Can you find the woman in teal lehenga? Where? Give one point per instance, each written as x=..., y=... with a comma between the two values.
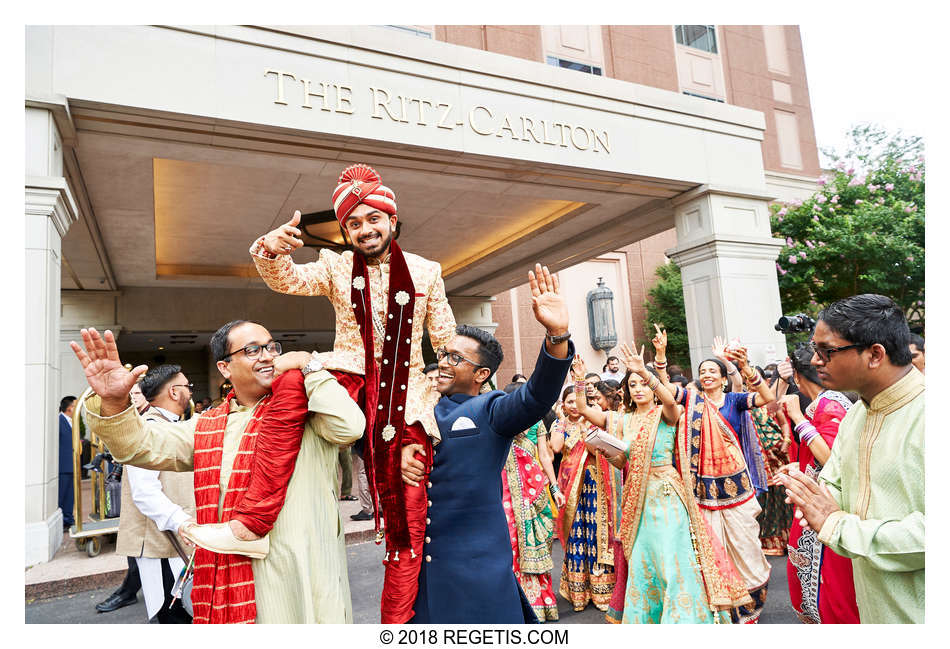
x=676, y=573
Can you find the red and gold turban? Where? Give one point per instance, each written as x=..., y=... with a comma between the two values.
x=360, y=183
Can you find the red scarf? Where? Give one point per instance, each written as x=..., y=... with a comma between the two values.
x=223, y=587
x=386, y=389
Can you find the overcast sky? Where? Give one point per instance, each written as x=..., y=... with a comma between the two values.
x=865, y=73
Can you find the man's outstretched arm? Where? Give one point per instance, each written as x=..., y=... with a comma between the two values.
x=164, y=446
x=512, y=413
x=271, y=255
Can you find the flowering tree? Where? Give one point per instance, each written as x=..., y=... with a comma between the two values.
x=862, y=232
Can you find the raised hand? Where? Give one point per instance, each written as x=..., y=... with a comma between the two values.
x=550, y=308
x=578, y=368
x=785, y=369
x=659, y=341
x=631, y=359
x=719, y=348
x=283, y=240
x=104, y=371
x=738, y=356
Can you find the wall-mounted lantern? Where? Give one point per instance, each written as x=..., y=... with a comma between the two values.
x=600, y=317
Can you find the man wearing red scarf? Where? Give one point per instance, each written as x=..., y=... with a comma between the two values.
x=384, y=301
x=297, y=574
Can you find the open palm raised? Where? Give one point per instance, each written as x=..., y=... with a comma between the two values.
x=550, y=308
x=104, y=371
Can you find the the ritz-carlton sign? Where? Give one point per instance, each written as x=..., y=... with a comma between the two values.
x=423, y=111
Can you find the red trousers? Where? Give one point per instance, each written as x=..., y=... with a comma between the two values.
x=275, y=456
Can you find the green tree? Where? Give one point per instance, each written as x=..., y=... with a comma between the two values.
x=861, y=232
x=665, y=307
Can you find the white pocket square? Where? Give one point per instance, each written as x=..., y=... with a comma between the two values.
x=463, y=423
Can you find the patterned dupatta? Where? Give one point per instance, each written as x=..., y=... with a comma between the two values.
x=529, y=506
x=223, y=587
x=725, y=588
x=609, y=482
x=386, y=388
x=640, y=458
x=716, y=458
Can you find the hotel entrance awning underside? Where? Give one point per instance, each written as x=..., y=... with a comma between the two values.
x=185, y=143
x=177, y=203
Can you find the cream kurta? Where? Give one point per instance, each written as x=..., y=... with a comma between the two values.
x=332, y=275
x=876, y=473
x=303, y=579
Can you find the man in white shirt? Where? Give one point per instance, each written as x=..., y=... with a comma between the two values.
x=612, y=370
x=158, y=502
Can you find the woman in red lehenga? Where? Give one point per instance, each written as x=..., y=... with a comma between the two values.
x=820, y=582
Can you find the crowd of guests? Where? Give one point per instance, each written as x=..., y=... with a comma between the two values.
x=672, y=521
x=674, y=524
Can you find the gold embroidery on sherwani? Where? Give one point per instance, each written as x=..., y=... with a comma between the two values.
x=331, y=276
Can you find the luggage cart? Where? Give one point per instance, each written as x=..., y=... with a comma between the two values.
x=88, y=533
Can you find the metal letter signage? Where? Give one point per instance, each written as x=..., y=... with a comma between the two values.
x=400, y=108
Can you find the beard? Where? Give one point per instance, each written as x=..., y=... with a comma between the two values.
x=377, y=249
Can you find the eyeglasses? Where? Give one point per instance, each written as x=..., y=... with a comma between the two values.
x=190, y=386
x=454, y=358
x=254, y=351
x=824, y=353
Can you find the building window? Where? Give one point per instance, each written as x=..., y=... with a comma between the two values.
x=702, y=37
x=413, y=30
x=573, y=65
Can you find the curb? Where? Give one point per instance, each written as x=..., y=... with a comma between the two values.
x=72, y=585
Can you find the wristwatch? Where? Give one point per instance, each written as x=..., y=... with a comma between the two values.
x=557, y=340
x=315, y=365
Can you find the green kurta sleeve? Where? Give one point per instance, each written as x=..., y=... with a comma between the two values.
x=158, y=445
x=337, y=418
x=888, y=545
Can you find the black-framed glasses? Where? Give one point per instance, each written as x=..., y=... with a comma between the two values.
x=824, y=353
x=454, y=358
x=253, y=351
x=190, y=386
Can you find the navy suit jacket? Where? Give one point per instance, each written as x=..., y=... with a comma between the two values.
x=466, y=575
x=65, y=445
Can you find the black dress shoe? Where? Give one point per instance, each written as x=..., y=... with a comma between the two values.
x=115, y=601
x=361, y=516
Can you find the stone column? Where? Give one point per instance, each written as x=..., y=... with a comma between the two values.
x=49, y=210
x=727, y=255
x=473, y=310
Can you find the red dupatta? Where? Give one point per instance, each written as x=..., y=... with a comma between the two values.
x=223, y=587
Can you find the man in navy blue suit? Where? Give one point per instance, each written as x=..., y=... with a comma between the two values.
x=467, y=575
x=66, y=490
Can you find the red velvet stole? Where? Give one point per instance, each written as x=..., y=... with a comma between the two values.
x=223, y=587
x=386, y=389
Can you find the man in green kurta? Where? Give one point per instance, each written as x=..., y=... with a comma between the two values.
x=303, y=578
x=869, y=505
